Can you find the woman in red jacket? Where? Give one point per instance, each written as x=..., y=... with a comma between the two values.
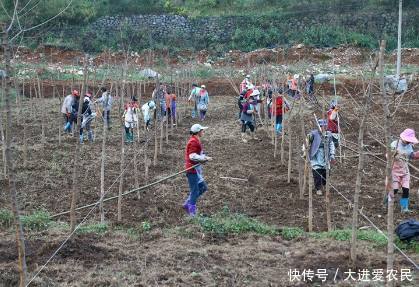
x=194, y=154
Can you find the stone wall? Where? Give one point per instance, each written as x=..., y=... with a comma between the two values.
x=178, y=29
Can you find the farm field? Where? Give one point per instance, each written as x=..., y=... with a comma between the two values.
x=252, y=224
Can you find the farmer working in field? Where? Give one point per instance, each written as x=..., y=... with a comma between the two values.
x=280, y=105
x=194, y=154
x=248, y=118
x=130, y=119
x=193, y=98
x=87, y=117
x=333, y=122
x=203, y=101
x=147, y=109
x=66, y=109
x=106, y=101
x=246, y=84
x=158, y=96
x=403, y=152
x=316, y=141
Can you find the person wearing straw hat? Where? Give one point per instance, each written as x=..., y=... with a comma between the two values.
x=203, y=101
x=403, y=152
x=316, y=148
x=333, y=122
x=194, y=154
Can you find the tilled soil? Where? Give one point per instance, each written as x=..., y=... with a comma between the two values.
x=169, y=258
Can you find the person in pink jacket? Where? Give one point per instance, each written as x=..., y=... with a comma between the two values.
x=403, y=152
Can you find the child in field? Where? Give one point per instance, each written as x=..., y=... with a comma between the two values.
x=403, y=152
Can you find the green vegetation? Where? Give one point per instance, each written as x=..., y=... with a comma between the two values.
x=266, y=27
x=39, y=220
x=224, y=223
x=96, y=228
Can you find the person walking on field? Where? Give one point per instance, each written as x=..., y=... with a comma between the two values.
x=131, y=119
x=403, y=152
x=248, y=118
x=87, y=117
x=193, y=98
x=333, y=122
x=147, y=109
x=316, y=141
x=106, y=101
x=66, y=109
x=276, y=111
x=203, y=101
x=194, y=154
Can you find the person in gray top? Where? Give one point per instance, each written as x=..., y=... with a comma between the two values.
x=106, y=101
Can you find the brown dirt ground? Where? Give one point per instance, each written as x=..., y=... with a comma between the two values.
x=189, y=258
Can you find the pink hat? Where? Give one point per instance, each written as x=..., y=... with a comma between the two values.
x=408, y=135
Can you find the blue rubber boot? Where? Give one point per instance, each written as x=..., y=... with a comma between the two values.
x=90, y=136
x=81, y=138
x=67, y=127
x=404, y=204
x=278, y=128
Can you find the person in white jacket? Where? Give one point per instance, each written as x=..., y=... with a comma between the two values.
x=147, y=109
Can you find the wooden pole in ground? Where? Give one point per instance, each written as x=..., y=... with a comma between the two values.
x=284, y=120
x=273, y=117
x=77, y=152
x=328, y=179
x=362, y=127
x=43, y=112
x=388, y=190
x=102, y=166
x=289, y=149
x=121, y=179
x=11, y=182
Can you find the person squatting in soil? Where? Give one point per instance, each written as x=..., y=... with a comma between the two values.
x=316, y=141
x=277, y=111
x=333, y=122
x=194, y=154
x=203, y=101
x=403, y=152
x=193, y=99
x=248, y=118
x=130, y=119
x=87, y=117
x=66, y=109
x=106, y=100
x=147, y=109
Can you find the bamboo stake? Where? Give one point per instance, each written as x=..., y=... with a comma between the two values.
x=284, y=120
x=361, y=151
x=289, y=149
x=11, y=182
x=328, y=179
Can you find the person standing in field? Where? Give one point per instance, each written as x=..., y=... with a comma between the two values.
x=316, y=141
x=193, y=98
x=276, y=110
x=203, y=101
x=403, y=152
x=67, y=108
x=106, y=101
x=87, y=117
x=130, y=119
x=194, y=154
x=248, y=118
x=173, y=107
x=333, y=122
